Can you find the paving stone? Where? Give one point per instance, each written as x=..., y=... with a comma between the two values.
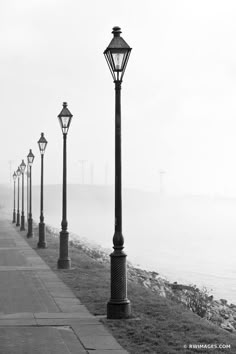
x=39, y=340
x=65, y=321
x=87, y=329
x=70, y=305
x=17, y=322
x=99, y=342
x=60, y=292
x=47, y=315
x=21, y=315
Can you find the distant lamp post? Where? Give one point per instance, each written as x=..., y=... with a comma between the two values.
x=117, y=55
x=30, y=159
x=27, y=189
x=64, y=261
x=22, y=169
x=14, y=198
x=18, y=173
x=42, y=242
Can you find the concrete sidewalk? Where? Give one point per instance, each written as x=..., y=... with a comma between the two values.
x=39, y=314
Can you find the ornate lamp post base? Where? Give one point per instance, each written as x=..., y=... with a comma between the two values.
x=14, y=217
x=42, y=243
x=118, y=310
x=30, y=228
x=119, y=306
x=22, y=226
x=64, y=261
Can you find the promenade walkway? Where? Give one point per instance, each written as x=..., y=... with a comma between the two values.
x=39, y=314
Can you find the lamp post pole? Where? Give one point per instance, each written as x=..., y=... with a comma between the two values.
x=117, y=55
x=27, y=191
x=64, y=261
x=14, y=205
x=18, y=197
x=30, y=158
x=42, y=242
x=22, y=167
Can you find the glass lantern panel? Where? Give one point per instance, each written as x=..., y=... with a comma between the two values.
x=118, y=59
x=22, y=168
x=65, y=121
x=42, y=146
x=30, y=159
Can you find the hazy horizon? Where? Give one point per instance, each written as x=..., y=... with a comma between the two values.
x=178, y=111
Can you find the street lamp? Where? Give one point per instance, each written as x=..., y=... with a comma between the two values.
x=18, y=173
x=30, y=158
x=42, y=146
x=22, y=169
x=64, y=261
x=14, y=207
x=117, y=55
x=27, y=189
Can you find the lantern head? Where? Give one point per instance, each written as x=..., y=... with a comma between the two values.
x=22, y=166
x=42, y=144
x=65, y=118
x=117, y=55
x=30, y=158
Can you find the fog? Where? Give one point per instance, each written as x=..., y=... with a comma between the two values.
x=187, y=239
x=178, y=106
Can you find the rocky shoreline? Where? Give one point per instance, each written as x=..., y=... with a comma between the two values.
x=197, y=300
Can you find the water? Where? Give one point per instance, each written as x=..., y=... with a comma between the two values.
x=187, y=239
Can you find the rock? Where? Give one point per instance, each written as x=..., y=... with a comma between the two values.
x=215, y=318
x=223, y=301
x=223, y=314
x=176, y=286
x=154, y=274
x=228, y=327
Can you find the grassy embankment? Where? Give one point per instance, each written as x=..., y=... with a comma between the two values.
x=158, y=325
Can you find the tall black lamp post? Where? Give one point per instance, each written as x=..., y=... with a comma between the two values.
x=14, y=198
x=30, y=158
x=117, y=55
x=22, y=169
x=18, y=173
x=64, y=261
x=42, y=242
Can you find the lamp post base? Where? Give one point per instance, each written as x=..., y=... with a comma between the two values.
x=14, y=217
x=18, y=219
x=119, y=306
x=22, y=225
x=64, y=261
x=30, y=228
x=118, y=310
x=42, y=243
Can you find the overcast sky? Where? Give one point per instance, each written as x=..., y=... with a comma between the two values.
x=178, y=92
